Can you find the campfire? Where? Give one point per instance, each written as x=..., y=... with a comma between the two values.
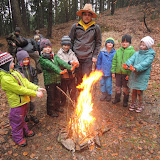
x=82, y=130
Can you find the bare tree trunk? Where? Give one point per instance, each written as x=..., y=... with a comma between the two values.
x=56, y=12
x=108, y=4
x=81, y=4
x=17, y=16
x=112, y=7
x=49, y=30
x=96, y=3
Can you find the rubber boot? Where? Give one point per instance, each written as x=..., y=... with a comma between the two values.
x=125, y=100
x=103, y=96
x=117, y=98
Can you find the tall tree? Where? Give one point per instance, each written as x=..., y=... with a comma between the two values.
x=49, y=30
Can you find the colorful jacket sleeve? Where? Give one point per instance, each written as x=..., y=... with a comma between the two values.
x=114, y=63
x=131, y=60
x=99, y=61
x=49, y=65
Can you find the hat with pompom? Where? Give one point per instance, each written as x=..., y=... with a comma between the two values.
x=5, y=60
x=148, y=41
x=44, y=43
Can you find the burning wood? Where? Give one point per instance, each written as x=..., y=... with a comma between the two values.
x=82, y=131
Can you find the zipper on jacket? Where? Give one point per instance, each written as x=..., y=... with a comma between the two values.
x=20, y=98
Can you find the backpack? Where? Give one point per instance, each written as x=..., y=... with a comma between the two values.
x=21, y=41
x=30, y=47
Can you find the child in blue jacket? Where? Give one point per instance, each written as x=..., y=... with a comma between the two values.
x=140, y=64
x=104, y=63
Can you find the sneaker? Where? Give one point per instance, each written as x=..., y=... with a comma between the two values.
x=23, y=143
x=30, y=134
x=34, y=119
x=139, y=108
x=132, y=107
x=103, y=96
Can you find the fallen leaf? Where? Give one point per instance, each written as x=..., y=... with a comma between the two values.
x=32, y=155
x=114, y=154
x=39, y=134
x=25, y=153
x=9, y=152
x=15, y=154
x=48, y=148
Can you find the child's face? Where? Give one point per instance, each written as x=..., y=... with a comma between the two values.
x=25, y=61
x=47, y=49
x=66, y=47
x=109, y=45
x=143, y=46
x=12, y=65
x=125, y=44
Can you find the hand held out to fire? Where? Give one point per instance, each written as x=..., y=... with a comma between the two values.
x=40, y=93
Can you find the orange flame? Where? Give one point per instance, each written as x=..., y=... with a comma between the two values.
x=82, y=118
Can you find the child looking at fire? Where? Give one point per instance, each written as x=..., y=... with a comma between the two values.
x=18, y=90
x=118, y=72
x=30, y=73
x=104, y=63
x=68, y=79
x=140, y=65
x=51, y=64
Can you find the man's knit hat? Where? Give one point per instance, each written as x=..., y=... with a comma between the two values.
x=17, y=29
x=21, y=55
x=126, y=38
x=110, y=40
x=66, y=40
x=5, y=60
x=44, y=43
x=148, y=41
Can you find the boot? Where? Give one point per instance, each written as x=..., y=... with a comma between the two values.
x=117, y=98
x=108, y=99
x=125, y=100
x=51, y=111
x=103, y=96
x=34, y=119
x=53, y=114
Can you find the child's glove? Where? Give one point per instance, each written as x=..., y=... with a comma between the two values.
x=113, y=76
x=131, y=68
x=74, y=63
x=125, y=66
x=126, y=78
x=64, y=71
x=39, y=94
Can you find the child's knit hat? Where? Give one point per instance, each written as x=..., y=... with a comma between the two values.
x=44, y=43
x=66, y=40
x=126, y=38
x=148, y=41
x=110, y=40
x=5, y=60
x=17, y=29
x=21, y=55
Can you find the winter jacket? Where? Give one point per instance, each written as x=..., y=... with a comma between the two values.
x=142, y=61
x=51, y=69
x=18, y=89
x=31, y=46
x=120, y=57
x=86, y=44
x=104, y=61
x=29, y=72
x=67, y=57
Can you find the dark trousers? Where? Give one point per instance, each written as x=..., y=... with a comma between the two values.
x=71, y=86
x=53, y=97
x=85, y=67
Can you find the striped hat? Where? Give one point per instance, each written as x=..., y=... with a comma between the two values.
x=5, y=58
x=66, y=40
x=44, y=43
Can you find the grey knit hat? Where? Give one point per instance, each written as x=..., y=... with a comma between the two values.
x=17, y=29
x=66, y=40
x=21, y=55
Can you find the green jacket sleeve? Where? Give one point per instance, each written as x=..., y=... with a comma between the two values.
x=10, y=84
x=114, y=63
x=49, y=65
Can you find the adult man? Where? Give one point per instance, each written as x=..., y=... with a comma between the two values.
x=86, y=41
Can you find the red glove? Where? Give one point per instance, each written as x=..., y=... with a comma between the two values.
x=125, y=66
x=64, y=71
x=131, y=68
x=75, y=63
x=73, y=68
x=126, y=78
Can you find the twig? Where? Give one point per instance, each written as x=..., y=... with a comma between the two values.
x=66, y=96
x=146, y=23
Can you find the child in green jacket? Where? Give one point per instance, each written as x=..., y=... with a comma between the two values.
x=118, y=72
x=51, y=64
x=18, y=90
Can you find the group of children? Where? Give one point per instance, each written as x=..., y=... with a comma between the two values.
x=130, y=69
x=20, y=83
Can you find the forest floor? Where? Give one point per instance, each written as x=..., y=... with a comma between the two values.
x=131, y=136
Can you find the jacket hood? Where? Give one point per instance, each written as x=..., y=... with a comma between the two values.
x=105, y=50
x=149, y=51
x=129, y=48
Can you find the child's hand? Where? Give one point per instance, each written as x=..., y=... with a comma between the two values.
x=39, y=94
x=41, y=89
x=64, y=71
x=126, y=78
x=125, y=66
x=113, y=76
x=131, y=68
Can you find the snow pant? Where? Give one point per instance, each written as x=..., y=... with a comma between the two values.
x=68, y=83
x=85, y=67
x=106, y=85
x=19, y=126
x=35, y=57
x=53, y=97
